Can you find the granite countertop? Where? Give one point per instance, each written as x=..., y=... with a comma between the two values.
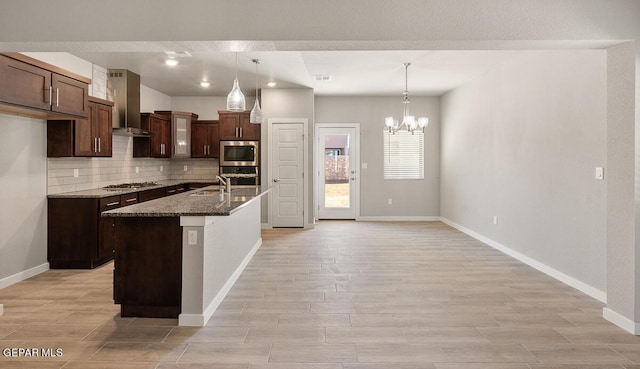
x=103, y=192
x=205, y=201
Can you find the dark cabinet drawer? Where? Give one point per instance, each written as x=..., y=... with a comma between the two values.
x=129, y=199
x=148, y=195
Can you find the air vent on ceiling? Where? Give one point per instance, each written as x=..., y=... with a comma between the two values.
x=322, y=77
x=177, y=54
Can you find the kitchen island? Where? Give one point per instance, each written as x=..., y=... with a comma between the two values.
x=178, y=256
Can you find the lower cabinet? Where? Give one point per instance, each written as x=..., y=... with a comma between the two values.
x=79, y=238
x=155, y=290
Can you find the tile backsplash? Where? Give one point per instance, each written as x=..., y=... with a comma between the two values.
x=122, y=167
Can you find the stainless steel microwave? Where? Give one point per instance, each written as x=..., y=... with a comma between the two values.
x=239, y=153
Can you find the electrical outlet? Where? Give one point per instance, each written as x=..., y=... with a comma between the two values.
x=192, y=237
x=161, y=168
x=390, y=201
x=137, y=169
x=495, y=219
x=76, y=173
x=364, y=165
x=185, y=168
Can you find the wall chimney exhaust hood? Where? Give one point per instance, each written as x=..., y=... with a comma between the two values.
x=123, y=88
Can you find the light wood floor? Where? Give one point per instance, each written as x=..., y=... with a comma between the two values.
x=344, y=295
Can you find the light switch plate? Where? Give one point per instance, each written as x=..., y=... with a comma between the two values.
x=599, y=173
x=364, y=165
x=161, y=168
x=76, y=173
x=185, y=168
x=137, y=169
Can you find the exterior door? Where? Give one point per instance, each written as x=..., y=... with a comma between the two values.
x=337, y=163
x=287, y=151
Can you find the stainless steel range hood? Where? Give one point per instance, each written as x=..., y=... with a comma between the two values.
x=123, y=88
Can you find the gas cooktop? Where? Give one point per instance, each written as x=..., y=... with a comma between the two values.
x=130, y=185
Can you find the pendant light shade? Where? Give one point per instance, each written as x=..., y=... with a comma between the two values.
x=235, y=99
x=256, y=114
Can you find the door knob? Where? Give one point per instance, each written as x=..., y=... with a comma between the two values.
x=353, y=178
x=276, y=180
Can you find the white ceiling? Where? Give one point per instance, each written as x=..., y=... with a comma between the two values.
x=431, y=73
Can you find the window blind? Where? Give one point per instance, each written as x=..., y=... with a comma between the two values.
x=403, y=155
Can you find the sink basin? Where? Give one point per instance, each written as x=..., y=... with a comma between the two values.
x=208, y=192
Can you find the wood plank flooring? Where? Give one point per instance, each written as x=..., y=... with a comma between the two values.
x=344, y=295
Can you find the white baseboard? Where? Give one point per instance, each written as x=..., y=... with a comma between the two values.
x=579, y=285
x=622, y=322
x=26, y=274
x=398, y=219
x=200, y=320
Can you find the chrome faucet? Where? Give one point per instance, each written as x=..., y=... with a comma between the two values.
x=224, y=181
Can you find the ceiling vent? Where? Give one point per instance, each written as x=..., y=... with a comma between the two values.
x=322, y=77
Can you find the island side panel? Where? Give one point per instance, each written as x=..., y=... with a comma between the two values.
x=224, y=247
x=148, y=266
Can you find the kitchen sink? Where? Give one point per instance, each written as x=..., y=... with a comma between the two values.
x=208, y=192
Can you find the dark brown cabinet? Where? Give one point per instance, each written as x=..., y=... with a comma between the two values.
x=43, y=90
x=154, y=291
x=237, y=126
x=180, y=132
x=83, y=137
x=159, y=144
x=77, y=237
x=205, y=139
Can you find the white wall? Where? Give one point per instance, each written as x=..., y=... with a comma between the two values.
x=151, y=100
x=522, y=143
x=23, y=214
x=411, y=198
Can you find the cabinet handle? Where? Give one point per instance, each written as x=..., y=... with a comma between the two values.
x=113, y=203
x=57, y=97
x=132, y=199
x=50, y=95
x=95, y=144
x=204, y=149
x=161, y=149
x=99, y=145
x=240, y=131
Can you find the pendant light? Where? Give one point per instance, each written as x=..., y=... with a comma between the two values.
x=256, y=114
x=235, y=99
x=408, y=120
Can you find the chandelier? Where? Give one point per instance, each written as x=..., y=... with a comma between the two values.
x=408, y=121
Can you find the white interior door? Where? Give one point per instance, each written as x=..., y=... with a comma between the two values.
x=287, y=153
x=337, y=163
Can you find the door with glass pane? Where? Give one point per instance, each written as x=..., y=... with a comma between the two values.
x=337, y=163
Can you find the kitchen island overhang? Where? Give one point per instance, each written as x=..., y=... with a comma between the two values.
x=180, y=256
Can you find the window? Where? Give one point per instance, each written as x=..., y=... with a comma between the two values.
x=403, y=155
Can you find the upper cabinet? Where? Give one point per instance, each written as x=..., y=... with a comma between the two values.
x=159, y=144
x=180, y=132
x=236, y=126
x=205, y=139
x=31, y=87
x=83, y=137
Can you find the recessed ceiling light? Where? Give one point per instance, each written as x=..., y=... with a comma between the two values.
x=271, y=84
x=205, y=84
x=171, y=62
